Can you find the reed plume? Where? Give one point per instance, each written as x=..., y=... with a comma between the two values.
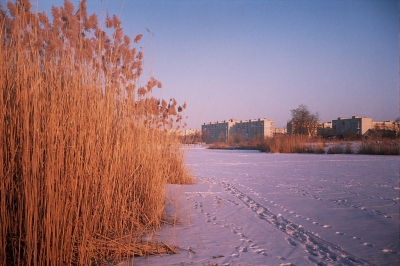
x=85, y=155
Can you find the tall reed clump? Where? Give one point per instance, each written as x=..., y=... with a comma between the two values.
x=293, y=144
x=85, y=154
x=382, y=147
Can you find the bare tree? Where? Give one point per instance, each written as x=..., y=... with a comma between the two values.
x=303, y=122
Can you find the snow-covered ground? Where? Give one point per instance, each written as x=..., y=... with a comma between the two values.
x=252, y=208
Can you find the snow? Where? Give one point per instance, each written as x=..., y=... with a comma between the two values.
x=252, y=208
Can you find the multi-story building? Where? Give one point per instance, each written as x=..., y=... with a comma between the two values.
x=248, y=129
x=355, y=124
x=254, y=127
x=280, y=130
x=217, y=131
x=385, y=125
x=324, y=128
x=386, y=128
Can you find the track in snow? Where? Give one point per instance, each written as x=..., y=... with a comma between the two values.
x=320, y=251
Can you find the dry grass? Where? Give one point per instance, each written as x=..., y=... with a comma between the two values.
x=336, y=149
x=304, y=144
x=288, y=143
x=219, y=145
x=380, y=147
x=85, y=156
x=277, y=144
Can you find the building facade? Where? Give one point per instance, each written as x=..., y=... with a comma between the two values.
x=386, y=128
x=224, y=130
x=356, y=124
x=280, y=131
x=386, y=125
x=324, y=129
x=217, y=131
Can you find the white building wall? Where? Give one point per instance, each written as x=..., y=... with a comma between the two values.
x=248, y=128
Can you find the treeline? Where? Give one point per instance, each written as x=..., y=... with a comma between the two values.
x=85, y=154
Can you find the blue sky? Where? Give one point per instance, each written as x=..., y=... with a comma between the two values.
x=251, y=59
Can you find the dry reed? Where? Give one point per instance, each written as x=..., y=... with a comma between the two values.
x=380, y=147
x=276, y=144
x=85, y=154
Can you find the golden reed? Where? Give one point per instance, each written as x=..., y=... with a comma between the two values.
x=85, y=152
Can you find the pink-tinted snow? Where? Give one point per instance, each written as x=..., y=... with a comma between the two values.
x=252, y=208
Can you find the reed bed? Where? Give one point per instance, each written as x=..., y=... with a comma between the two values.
x=304, y=144
x=276, y=144
x=292, y=144
x=85, y=150
x=341, y=147
x=380, y=147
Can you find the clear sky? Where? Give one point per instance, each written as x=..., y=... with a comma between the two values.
x=252, y=59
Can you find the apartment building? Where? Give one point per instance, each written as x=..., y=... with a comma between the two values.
x=386, y=128
x=386, y=125
x=248, y=129
x=217, y=131
x=280, y=131
x=324, y=128
x=355, y=124
x=253, y=127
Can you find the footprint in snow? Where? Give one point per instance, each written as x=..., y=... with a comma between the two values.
x=327, y=226
x=339, y=233
x=368, y=244
x=291, y=241
x=243, y=249
x=261, y=251
x=316, y=261
x=389, y=251
x=241, y=234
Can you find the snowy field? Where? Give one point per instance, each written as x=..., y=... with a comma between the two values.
x=252, y=208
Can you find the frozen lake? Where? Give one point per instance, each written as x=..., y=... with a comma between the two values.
x=252, y=208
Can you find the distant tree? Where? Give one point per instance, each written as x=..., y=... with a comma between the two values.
x=303, y=122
